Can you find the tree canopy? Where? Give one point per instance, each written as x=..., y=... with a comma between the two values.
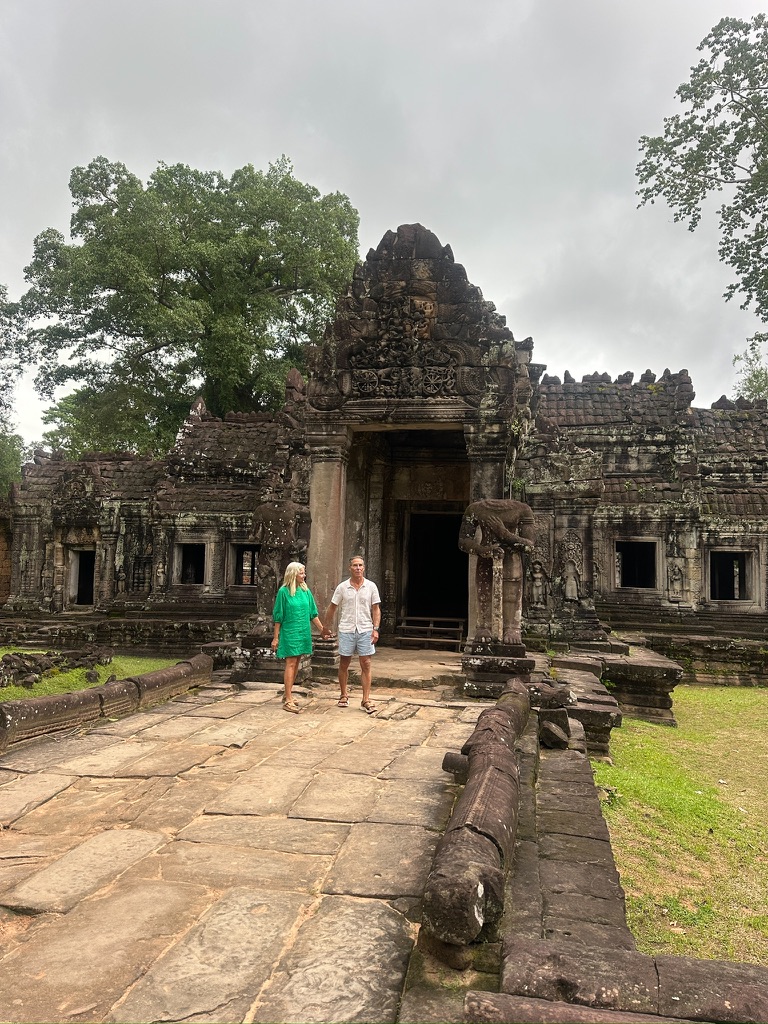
x=719, y=147
x=194, y=283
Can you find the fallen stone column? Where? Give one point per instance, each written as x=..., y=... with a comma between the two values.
x=465, y=889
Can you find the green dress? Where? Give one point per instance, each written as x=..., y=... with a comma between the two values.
x=294, y=615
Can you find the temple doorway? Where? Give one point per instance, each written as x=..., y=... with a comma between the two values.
x=82, y=570
x=436, y=568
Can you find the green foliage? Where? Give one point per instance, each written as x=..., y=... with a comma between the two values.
x=194, y=283
x=752, y=377
x=719, y=147
x=66, y=682
x=11, y=451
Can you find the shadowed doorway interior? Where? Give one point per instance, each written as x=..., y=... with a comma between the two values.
x=437, y=569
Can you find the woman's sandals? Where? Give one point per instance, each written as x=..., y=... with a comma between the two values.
x=343, y=701
x=369, y=707
x=292, y=706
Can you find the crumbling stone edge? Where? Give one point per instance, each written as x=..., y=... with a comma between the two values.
x=36, y=716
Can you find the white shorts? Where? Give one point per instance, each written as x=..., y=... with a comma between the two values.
x=356, y=643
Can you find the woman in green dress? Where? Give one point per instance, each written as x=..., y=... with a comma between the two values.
x=294, y=614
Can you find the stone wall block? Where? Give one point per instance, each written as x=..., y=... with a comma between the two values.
x=22, y=719
x=155, y=687
x=118, y=698
x=712, y=990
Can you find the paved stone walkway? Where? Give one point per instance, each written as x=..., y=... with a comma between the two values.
x=217, y=859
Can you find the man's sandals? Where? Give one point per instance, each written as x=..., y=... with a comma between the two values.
x=369, y=707
x=292, y=706
x=343, y=701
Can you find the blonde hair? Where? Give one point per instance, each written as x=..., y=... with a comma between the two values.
x=292, y=575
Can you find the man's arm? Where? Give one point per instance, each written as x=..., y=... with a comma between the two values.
x=330, y=613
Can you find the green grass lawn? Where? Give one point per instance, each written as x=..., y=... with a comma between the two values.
x=64, y=682
x=687, y=810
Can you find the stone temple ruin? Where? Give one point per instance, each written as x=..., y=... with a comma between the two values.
x=421, y=425
x=648, y=511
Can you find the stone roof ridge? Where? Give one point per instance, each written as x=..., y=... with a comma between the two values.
x=410, y=242
x=726, y=403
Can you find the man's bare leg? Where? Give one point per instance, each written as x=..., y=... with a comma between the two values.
x=344, y=661
x=365, y=676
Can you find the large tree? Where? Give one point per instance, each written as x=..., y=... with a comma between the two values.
x=192, y=283
x=719, y=147
x=11, y=443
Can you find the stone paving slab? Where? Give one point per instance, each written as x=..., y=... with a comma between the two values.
x=170, y=759
x=234, y=761
x=290, y=835
x=449, y=736
x=226, y=867
x=384, y=861
x=29, y=791
x=337, y=796
x=206, y=976
x=47, y=752
x=110, y=761
x=22, y=855
x=81, y=871
x=178, y=728
x=348, y=963
x=411, y=802
x=181, y=803
x=231, y=732
x=218, y=709
x=308, y=754
x=418, y=763
x=262, y=791
x=93, y=803
x=80, y=964
x=369, y=755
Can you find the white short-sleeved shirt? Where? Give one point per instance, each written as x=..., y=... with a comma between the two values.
x=355, y=605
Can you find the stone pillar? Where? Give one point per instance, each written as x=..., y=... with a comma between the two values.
x=327, y=500
x=487, y=447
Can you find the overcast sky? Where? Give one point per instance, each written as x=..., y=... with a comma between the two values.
x=508, y=127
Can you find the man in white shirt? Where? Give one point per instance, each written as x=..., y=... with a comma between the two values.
x=359, y=619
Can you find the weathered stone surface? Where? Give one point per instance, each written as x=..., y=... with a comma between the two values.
x=170, y=759
x=262, y=791
x=308, y=753
x=79, y=965
x=206, y=976
x=491, y=1008
x=177, y=728
x=385, y=861
x=576, y=906
x=587, y=879
x=410, y=802
x=286, y=834
x=93, y=803
x=27, y=792
x=226, y=867
x=573, y=823
x=348, y=963
x=49, y=752
x=365, y=756
x=337, y=796
x=82, y=870
x=588, y=933
x=21, y=855
x=112, y=760
x=425, y=1005
x=713, y=990
x=577, y=849
x=180, y=803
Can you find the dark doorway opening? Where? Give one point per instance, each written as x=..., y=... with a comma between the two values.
x=728, y=576
x=193, y=563
x=636, y=564
x=86, y=568
x=437, y=569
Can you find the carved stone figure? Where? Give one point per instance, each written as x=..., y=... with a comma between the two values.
x=498, y=531
x=281, y=529
x=570, y=581
x=538, y=585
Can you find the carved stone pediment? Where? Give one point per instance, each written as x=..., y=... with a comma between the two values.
x=411, y=329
